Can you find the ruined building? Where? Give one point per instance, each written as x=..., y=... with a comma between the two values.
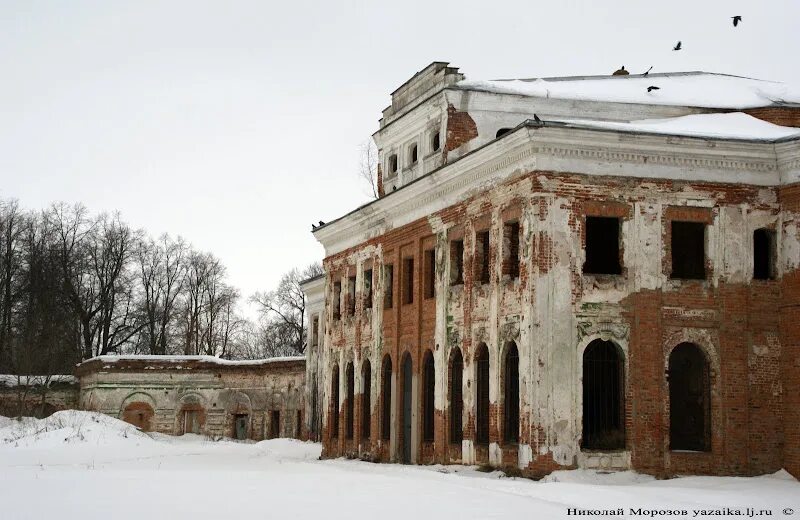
x=258, y=399
x=568, y=272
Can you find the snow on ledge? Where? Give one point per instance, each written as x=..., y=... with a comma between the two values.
x=691, y=89
x=733, y=125
x=10, y=380
x=189, y=359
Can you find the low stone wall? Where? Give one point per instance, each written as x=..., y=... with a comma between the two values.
x=37, y=396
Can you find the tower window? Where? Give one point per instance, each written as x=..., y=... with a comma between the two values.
x=393, y=164
x=412, y=154
x=602, y=246
x=688, y=250
x=764, y=254
x=436, y=142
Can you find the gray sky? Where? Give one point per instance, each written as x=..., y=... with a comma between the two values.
x=237, y=124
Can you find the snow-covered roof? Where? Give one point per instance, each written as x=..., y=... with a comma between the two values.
x=10, y=380
x=732, y=125
x=189, y=359
x=691, y=89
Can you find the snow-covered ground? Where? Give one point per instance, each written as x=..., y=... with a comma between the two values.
x=84, y=465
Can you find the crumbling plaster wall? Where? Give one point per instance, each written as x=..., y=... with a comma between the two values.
x=553, y=311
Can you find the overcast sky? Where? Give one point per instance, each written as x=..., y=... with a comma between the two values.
x=237, y=124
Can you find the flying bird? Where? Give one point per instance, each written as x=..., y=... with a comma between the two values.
x=647, y=71
x=736, y=20
x=677, y=46
x=536, y=118
x=652, y=88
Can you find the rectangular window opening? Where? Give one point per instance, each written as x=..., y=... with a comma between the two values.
x=430, y=273
x=368, y=288
x=602, y=246
x=688, y=250
x=511, y=249
x=482, y=257
x=456, y=262
x=408, y=281
x=351, y=296
x=388, y=286
x=315, y=331
x=764, y=254
x=337, y=300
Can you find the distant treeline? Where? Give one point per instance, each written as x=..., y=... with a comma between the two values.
x=75, y=285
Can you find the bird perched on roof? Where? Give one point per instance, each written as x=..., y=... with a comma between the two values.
x=621, y=72
x=647, y=71
x=736, y=20
x=313, y=227
x=677, y=46
x=652, y=88
x=536, y=118
x=321, y=223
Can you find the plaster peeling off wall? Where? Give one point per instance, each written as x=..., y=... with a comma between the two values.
x=553, y=335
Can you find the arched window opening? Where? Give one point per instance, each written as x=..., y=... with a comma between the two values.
x=392, y=164
x=366, y=404
x=689, y=399
x=482, y=395
x=511, y=395
x=412, y=154
x=502, y=132
x=428, y=399
x=348, y=405
x=603, y=397
x=386, y=393
x=436, y=142
x=456, y=397
x=335, y=402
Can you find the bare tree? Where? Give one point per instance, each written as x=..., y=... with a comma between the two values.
x=368, y=166
x=283, y=310
x=11, y=225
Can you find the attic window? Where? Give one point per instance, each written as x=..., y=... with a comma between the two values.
x=502, y=132
x=412, y=154
x=393, y=163
x=764, y=254
x=602, y=246
x=436, y=142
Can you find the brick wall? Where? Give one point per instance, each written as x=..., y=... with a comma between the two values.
x=783, y=116
x=749, y=345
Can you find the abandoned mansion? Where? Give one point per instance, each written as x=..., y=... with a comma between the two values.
x=568, y=272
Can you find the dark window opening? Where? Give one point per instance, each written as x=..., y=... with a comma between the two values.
x=315, y=331
x=349, y=402
x=456, y=399
x=298, y=427
x=436, y=142
x=335, y=403
x=602, y=246
x=413, y=155
x=388, y=286
x=482, y=256
x=502, y=132
x=386, y=396
x=482, y=395
x=429, y=376
x=408, y=281
x=429, y=268
x=456, y=262
x=511, y=395
x=688, y=250
x=603, y=397
x=351, y=296
x=366, y=404
x=511, y=249
x=764, y=249
x=274, y=424
x=393, y=164
x=337, y=300
x=368, y=288
x=689, y=399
